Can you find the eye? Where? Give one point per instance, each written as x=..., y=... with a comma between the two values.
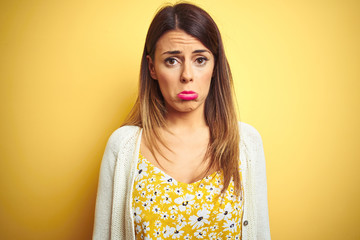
x=171, y=61
x=201, y=60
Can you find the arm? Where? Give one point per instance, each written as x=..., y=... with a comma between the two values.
x=257, y=187
x=263, y=228
x=103, y=210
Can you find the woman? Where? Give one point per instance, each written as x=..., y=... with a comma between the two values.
x=182, y=167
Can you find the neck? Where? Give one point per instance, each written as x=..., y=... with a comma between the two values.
x=186, y=121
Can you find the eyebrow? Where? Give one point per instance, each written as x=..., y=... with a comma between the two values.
x=178, y=52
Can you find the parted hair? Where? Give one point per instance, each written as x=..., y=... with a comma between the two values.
x=149, y=111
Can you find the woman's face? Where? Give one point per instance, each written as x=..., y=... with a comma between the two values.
x=183, y=67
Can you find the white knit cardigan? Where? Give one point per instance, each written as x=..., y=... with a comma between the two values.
x=113, y=214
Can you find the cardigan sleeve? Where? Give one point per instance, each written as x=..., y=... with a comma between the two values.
x=256, y=192
x=103, y=209
x=261, y=202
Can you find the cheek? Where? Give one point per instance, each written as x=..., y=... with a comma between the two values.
x=167, y=81
x=168, y=74
x=205, y=78
x=209, y=76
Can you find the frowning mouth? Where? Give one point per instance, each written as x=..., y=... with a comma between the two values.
x=187, y=95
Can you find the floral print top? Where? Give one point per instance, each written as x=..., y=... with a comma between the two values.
x=164, y=208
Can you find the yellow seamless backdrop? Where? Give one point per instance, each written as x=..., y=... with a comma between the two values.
x=68, y=77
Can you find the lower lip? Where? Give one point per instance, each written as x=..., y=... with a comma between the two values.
x=188, y=96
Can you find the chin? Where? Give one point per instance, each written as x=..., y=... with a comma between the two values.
x=188, y=108
x=184, y=106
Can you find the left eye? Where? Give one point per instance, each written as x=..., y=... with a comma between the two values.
x=201, y=60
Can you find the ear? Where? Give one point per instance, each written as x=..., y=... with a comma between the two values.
x=151, y=67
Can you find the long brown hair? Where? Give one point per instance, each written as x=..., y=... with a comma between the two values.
x=149, y=111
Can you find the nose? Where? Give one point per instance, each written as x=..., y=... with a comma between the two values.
x=187, y=74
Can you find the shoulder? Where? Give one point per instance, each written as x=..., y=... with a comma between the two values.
x=122, y=135
x=250, y=140
x=249, y=135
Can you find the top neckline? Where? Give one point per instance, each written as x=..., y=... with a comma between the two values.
x=210, y=176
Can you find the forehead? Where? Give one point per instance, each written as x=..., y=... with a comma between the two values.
x=178, y=40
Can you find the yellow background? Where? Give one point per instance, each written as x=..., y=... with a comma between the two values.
x=68, y=77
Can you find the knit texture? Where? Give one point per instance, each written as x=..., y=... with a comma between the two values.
x=113, y=215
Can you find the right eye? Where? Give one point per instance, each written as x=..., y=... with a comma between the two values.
x=171, y=61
